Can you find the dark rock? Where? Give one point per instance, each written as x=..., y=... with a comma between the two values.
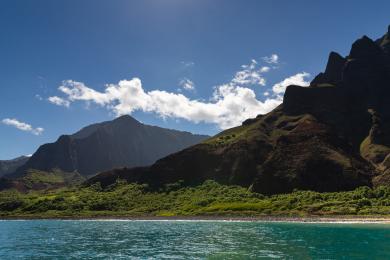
x=333, y=72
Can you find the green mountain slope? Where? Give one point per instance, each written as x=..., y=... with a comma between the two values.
x=35, y=180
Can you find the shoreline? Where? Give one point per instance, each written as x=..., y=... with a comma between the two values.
x=271, y=219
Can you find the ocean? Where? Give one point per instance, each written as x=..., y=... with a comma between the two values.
x=129, y=239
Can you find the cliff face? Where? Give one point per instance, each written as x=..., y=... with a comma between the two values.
x=123, y=142
x=331, y=136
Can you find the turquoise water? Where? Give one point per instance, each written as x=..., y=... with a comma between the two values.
x=59, y=239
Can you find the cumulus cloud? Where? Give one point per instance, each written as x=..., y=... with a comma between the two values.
x=230, y=104
x=187, y=84
x=22, y=126
x=250, y=75
x=297, y=79
x=273, y=59
x=59, y=101
x=264, y=69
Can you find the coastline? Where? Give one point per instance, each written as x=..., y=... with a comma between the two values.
x=271, y=219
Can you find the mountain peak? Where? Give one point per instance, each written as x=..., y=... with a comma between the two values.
x=127, y=118
x=334, y=66
x=88, y=130
x=122, y=142
x=333, y=71
x=364, y=48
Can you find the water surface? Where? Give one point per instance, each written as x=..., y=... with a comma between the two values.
x=61, y=239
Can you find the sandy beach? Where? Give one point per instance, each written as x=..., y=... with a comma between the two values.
x=309, y=219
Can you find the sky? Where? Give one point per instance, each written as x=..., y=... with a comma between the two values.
x=193, y=65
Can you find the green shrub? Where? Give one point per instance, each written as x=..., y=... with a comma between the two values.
x=210, y=198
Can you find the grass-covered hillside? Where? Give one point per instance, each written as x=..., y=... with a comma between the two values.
x=41, y=180
x=208, y=199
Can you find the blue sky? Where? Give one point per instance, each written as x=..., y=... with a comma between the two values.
x=193, y=65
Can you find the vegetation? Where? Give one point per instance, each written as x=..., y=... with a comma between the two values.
x=208, y=199
x=41, y=180
x=229, y=136
x=56, y=177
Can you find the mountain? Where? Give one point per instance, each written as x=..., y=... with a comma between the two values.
x=123, y=142
x=331, y=136
x=9, y=166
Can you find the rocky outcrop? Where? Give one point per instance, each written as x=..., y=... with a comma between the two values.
x=333, y=71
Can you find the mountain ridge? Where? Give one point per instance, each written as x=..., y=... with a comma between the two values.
x=9, y=166
x=122, y=142
x=330, y=136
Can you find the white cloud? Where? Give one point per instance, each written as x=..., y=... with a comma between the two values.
x=78, y=91
x=22, y=126
x=273, y=59
x=187, y=84
x=230, y=105
x=250, y=75
x=297, y=79
x=265, y=69
x=59, y=101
